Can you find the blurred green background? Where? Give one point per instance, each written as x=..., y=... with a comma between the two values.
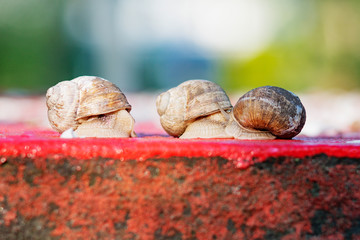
x=300, y=45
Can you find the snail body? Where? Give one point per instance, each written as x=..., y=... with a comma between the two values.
x=187, y=110
x=91, y=106
x=212, y=126
x=266, y=113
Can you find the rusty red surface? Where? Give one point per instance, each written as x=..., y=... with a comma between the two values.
x=18, y=140
x=157, y=187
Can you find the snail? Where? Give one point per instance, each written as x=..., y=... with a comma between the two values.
x=194, y=109
x=267, y=113
x=91, y=106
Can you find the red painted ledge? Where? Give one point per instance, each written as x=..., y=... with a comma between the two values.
x=157, y=187
x=19, y=141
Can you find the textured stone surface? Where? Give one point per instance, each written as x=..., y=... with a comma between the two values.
x=180, y=198
x=156, y=187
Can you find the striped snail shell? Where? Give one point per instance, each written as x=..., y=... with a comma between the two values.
x=188, y=110
x=267, y=112
x=92, y=106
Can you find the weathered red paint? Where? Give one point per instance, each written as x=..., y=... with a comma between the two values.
x=43, y=143
x=157, y=187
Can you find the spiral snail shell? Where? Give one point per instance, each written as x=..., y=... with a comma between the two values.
x=91, y=106
x=266, y=113
x=194, y=109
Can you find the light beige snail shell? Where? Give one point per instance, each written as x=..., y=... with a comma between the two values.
x=194, y=109
x=266, y=113
x=91, y=106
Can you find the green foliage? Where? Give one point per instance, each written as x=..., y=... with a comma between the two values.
x=282, y=66
x=318, y=51
x=316, y=47
x=33, y=53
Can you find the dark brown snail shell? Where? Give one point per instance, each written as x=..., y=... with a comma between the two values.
x=271, y=109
